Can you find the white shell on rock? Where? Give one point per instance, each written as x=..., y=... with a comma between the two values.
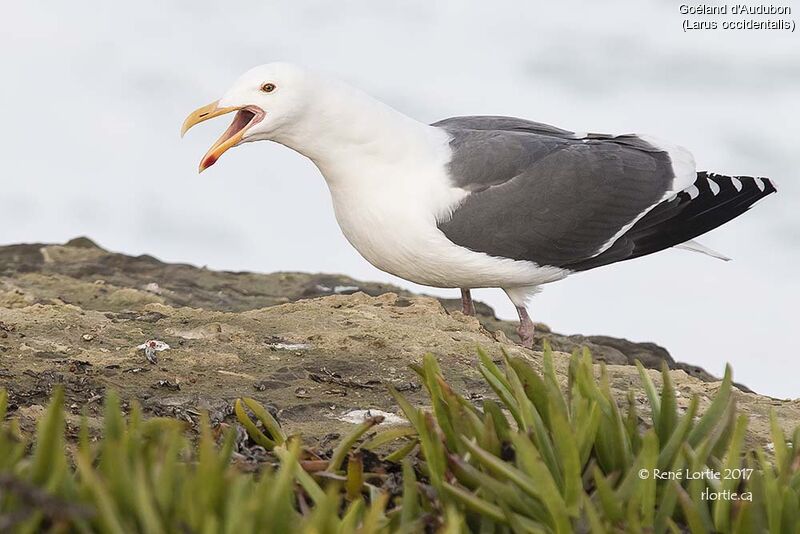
x=359, y=416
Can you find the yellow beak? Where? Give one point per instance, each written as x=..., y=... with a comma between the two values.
x=230, y=138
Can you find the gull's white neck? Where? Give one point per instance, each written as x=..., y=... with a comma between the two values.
x=345, y=132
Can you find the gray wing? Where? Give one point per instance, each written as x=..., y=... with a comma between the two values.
x=547, y=195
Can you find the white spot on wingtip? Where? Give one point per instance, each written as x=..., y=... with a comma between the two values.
x=713, y=185
x=737, y=183
x=760, y=183
x=692, y=191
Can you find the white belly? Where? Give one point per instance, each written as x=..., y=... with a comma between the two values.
x=395, y=229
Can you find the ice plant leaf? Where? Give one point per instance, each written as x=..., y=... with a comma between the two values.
x=255, y=434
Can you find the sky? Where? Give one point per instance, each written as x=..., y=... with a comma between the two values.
x=93, y=96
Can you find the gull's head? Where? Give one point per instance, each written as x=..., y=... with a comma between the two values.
x=266, y=100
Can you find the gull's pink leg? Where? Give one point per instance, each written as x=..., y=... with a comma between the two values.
x=525, y=329
x=467, y=307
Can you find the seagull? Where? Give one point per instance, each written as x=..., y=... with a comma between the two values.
x=480, y=201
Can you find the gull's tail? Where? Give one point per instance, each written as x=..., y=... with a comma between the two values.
x=694, y=246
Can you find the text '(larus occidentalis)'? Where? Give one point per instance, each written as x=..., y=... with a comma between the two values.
x=480, y=201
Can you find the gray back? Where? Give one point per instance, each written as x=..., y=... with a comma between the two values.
x=543, y=194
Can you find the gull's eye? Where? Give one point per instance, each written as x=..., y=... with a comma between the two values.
x=268, y=87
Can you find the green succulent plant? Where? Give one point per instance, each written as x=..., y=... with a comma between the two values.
x=543, y=456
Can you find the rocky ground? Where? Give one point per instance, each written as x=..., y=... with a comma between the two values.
x=316, y=348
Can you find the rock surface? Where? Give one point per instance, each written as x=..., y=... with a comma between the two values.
x=316, y=348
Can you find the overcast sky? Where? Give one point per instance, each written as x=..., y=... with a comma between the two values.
x=93, y=96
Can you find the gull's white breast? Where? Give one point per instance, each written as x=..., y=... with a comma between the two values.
x=389, y=213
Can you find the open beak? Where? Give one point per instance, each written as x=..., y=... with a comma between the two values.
x=244, y=119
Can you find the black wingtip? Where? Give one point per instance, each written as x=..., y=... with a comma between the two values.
x=713, y=200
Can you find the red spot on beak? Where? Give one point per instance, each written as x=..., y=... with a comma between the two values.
x=208, y=162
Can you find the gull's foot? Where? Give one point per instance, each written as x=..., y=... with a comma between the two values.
x=526, y=335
